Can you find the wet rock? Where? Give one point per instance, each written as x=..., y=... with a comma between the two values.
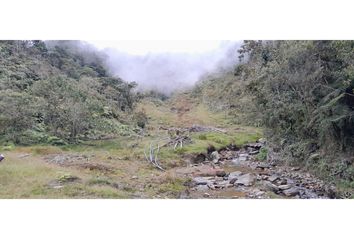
x=245, y=180
x=215, y=157
x=291, y=192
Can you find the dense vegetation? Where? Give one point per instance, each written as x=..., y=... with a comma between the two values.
x=59, y=91
x=302, y=94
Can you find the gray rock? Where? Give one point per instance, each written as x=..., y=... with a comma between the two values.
x=283, y=181
x=220, y=173
x=291, y=192
x=210, y=186
x=222, y=184
x=254, y=152
x=245, y=180
x=215, y=157
x=270, y=186
x=201, y=180
x=284, y=187
x=263, y=166
x=273, y=178
x=235, y=174
x=202, y=188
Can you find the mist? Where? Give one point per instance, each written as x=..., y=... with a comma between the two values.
x=167, y=72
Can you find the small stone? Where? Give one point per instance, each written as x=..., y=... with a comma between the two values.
x=263, y=166
x=284, y=187
x=206, y=195
x=259, y=193
x=215, y=157
x=220, y=173
x=134, y=177
x=232, y=181
x=291, y=192
x=273, y=178
x=283, y=181
x=254, y=152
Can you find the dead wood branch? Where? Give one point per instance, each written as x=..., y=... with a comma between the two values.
x=153, y=156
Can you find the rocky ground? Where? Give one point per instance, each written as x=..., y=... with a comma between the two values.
x=235, y=173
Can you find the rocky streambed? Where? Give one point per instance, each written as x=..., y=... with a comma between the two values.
x=235, y=173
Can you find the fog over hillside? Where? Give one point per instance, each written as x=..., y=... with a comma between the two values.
x=167, y=71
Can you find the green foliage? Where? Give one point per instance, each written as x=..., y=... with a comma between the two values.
x=304, y=93
x=141, y=118
x=262, y=155
x=61, y=86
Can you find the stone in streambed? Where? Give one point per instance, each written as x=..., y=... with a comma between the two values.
x=245, y=180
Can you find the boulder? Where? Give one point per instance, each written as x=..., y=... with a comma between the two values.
x=245, y=180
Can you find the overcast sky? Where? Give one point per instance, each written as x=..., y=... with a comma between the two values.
x=145, y=47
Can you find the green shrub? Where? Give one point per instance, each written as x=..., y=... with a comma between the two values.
x=262, y=155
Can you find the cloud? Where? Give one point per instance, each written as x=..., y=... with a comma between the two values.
x=170, y=71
